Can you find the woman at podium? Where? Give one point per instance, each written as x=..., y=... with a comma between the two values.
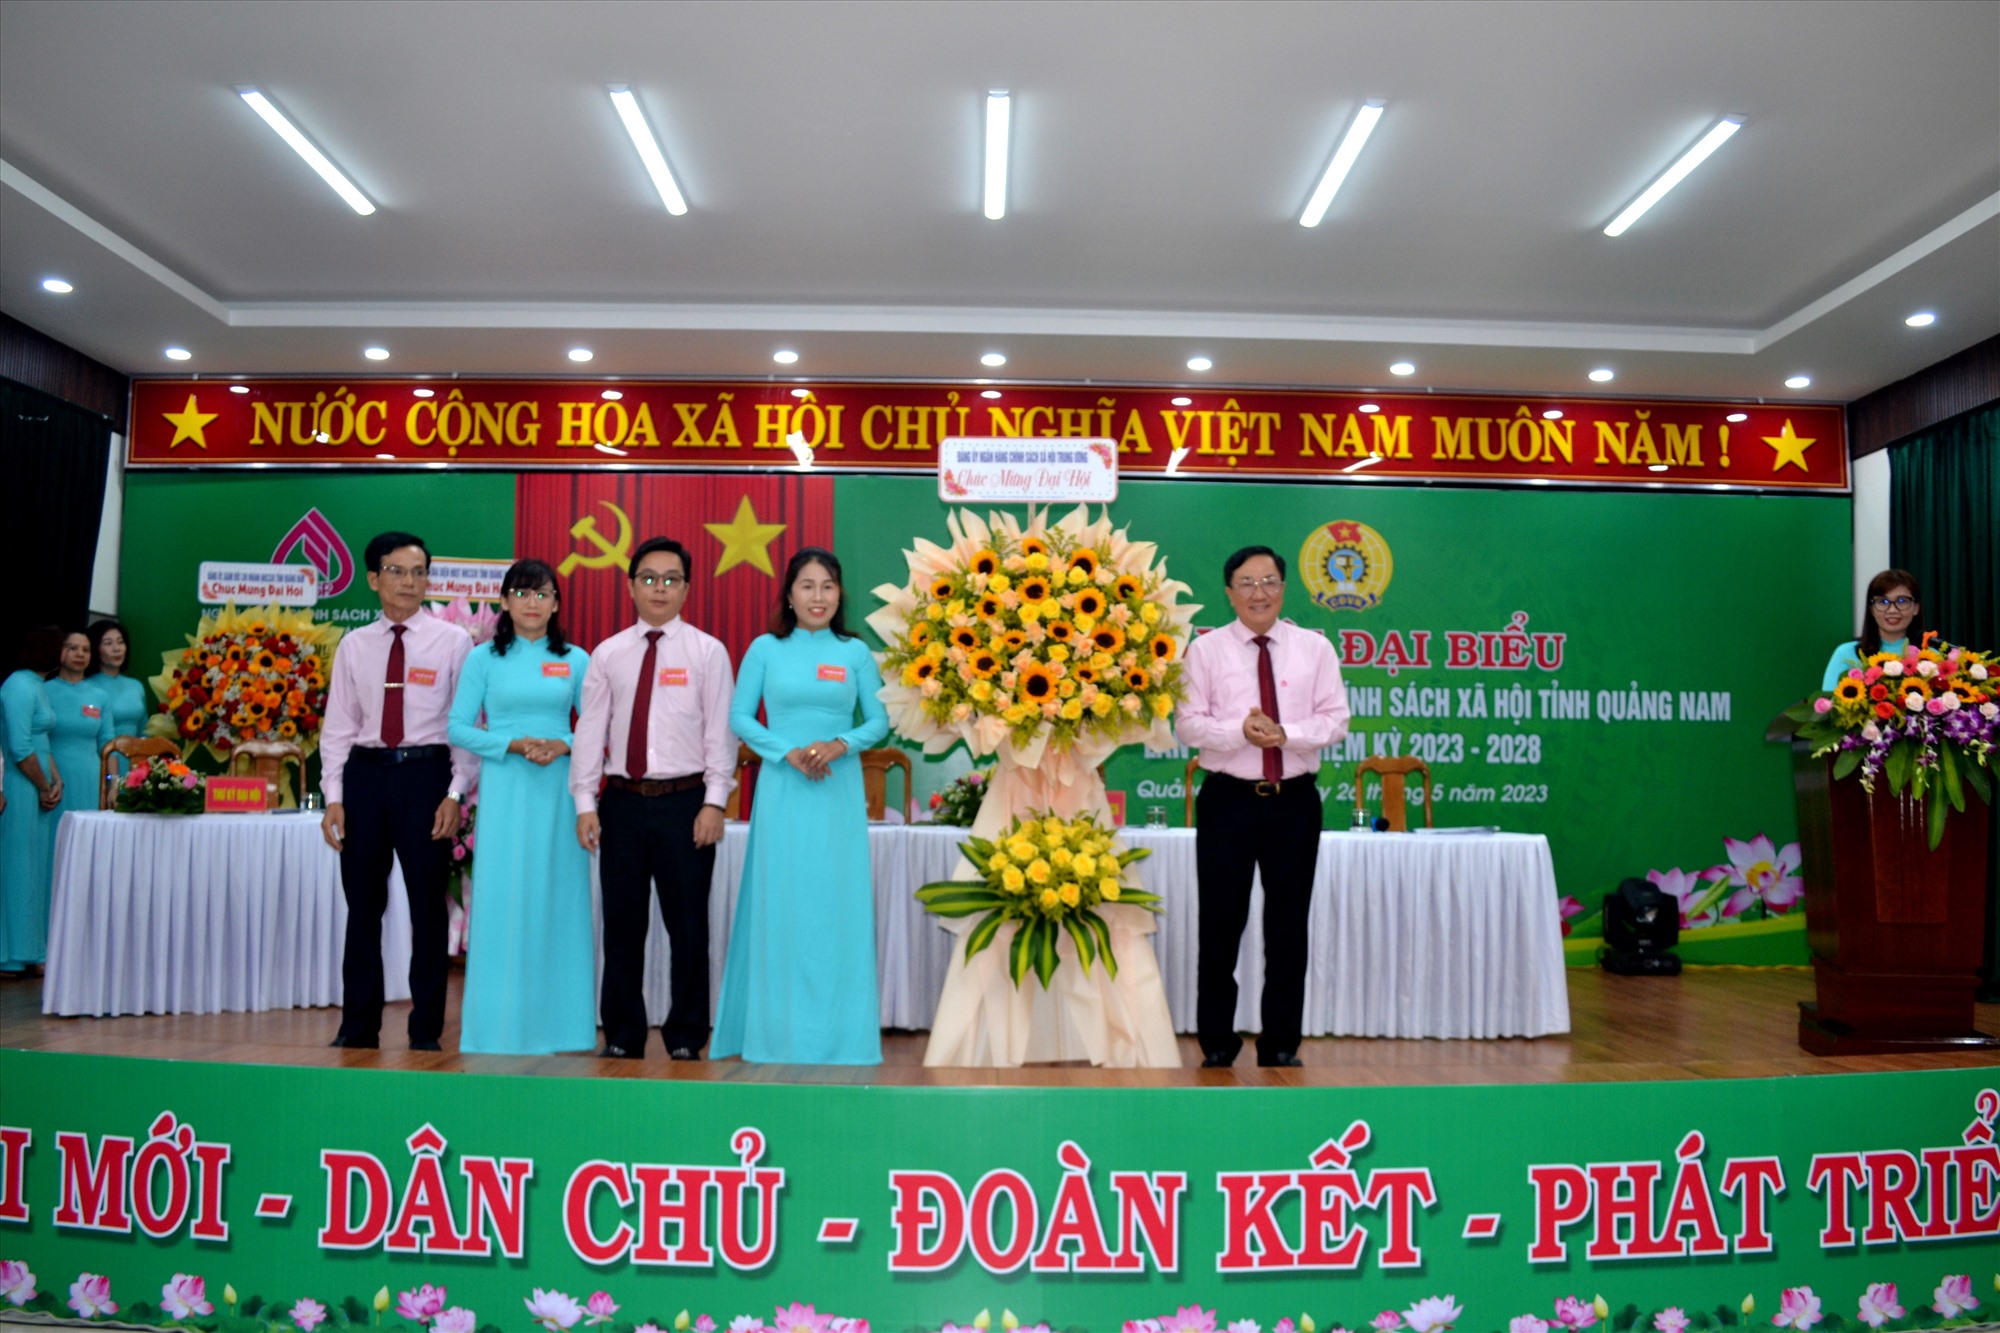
x=1893, y=619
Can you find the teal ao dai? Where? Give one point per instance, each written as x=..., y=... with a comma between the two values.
x=125, y=704
x=27, y=832
x=799, y=985
x=530, y=952
x=82, y=730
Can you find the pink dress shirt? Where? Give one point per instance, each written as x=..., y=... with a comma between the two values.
x=1221, y=677
x=433, y=655
x=687, y=725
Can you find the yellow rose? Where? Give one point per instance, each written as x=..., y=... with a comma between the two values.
x=1070, y=894
x=1085, y=624
x=1058, y=653
x=1150, y=613
x=1038, y=561
x=1065, y=689
x=935, y=651
x=1012, y=880
x=1060, y=857
x=1084, y=863
x=1021, y=850
x=1050, y=900
x=1053, y=829
x=1030, y=612
x=1101, y=705
x=1107, y=889
x=1077, y=577
x=1072, y=710
x=1038, y=871
x=956, y=607
x=934, y=612
x=998, y=583
x=982, y=690
x=1015, y=712
x=1101, y=661
x=1163, y=704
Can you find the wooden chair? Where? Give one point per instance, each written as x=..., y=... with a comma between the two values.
x=266, y=760
x=746, y=762
x=875, y=766
x=1187, y=787
x=134, y=748
x=1395, y=775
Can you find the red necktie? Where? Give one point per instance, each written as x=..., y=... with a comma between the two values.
x=1267, y=700
x=392, y=691
x=642, y=709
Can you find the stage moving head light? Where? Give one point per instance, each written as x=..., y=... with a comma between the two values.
x=1641, y=925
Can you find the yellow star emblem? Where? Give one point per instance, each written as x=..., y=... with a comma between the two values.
x=1788, y=447
x=188, y=423
x=744, y=540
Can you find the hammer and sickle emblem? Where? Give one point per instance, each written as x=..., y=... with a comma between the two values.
x=609, y=554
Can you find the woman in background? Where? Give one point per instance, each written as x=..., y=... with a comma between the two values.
x=83, y=725
x=125, y=700
x=1894, y=618
x=799, y=985
x=34, y=799
x=530, y=961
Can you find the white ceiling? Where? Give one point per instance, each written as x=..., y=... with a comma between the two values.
x=1163, y=151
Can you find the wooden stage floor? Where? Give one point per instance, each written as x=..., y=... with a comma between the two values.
x=1706, y=1024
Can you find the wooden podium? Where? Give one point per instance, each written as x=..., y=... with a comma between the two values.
x=1896, y=930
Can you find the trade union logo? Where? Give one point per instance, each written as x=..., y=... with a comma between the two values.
x=1346, y=566
x=315, y=541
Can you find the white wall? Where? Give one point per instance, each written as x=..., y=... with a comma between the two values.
x=104, y=574
x=1871, y=523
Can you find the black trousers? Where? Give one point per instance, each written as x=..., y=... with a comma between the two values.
x=647, y=841
x=390, y=808
x=1239, y=833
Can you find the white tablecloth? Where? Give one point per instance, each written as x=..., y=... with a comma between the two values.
x=1413, y=935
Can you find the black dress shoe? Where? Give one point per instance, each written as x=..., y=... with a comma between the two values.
x=1217, y=1060
x=425, y=1046
x=356, y=1043
x=1281, y=1060
x=685, y=1053
x=613, y=1051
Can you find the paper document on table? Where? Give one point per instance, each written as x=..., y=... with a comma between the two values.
x=1470, y=828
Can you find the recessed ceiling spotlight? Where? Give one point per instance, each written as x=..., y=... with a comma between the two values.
x=375, y=353
x=179, y=354
x=802, y=393
x=424, y=393
x=1538, y=481
x=1656, y=467
x=1674, y=174
x=989, y=393
x=648, y=148
x=999, y=120
x=785, y=357
x=993, y=359
x=387, y=458
x=1183, y=402
x=612, y=395
x=1403, y=368
x=1799, y=382
x=1370, y=407
x=1603, y=375
x=239, y=388
x=1200, y=363
x=295, y=138
x=1923, y=319
x=1552, y=414
x=1737, y=416
x=1344, y=157
x=580, y=354
x=613, y=450
x=437, y=465
x=56, y=285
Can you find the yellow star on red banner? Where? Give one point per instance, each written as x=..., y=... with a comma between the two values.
x=188, y=423
x=744, y=540
x=1788, y=447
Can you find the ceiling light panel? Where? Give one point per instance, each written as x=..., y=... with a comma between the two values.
x=1674, y=174
x=1343, y=161
x=305, y=148
x=648, y=147
x=999, y=129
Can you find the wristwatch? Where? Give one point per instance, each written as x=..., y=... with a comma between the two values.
x=455, y=796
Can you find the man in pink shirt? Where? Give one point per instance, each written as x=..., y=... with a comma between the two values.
x=654, y=727
x=393, y=787
x=1263, y=698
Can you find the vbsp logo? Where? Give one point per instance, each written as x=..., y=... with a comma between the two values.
x=1346, y=566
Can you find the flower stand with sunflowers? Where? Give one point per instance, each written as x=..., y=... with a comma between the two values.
x=1048, y=644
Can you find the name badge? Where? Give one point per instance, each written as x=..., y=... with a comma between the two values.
x=555, y=669
x=673, y=676
x=832, y=672
x=92, y=710
x=421, y=676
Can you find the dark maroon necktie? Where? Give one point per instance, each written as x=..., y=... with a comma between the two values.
x=642, y=710
x=1267, y=699
x=392, y=691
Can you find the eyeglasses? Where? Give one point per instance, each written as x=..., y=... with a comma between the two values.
x=1893, y=603
x=418, y=572
x=668, y=581
x=535, y=596
x=1270, y=583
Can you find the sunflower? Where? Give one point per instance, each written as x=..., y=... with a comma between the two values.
x=1137, y=679
x=941, y=587
x=1060, y=631
x=1108, y=638
x=984, y=663
x=1126, y=587
x=1089, y=604
x=920, y=634
x=1161, y=647
x=1914, y=684
x=1085, y=559
x=1849, y=691
x=965, y=636
x=1013, y=641
x=1085, y=672
x=1034, y=588
x=920, y=670
x=985, y=562
x=1037, y=684
x=989, y=607
x=1034, y=546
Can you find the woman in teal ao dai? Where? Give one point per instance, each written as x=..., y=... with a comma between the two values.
x=28, y=824
x=125, y=700
x=799, y=985
x=531, y=954
x=83, y=726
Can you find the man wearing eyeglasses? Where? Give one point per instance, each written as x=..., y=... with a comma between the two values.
x=394, y=788
x=654, y=727
x=1263, y=698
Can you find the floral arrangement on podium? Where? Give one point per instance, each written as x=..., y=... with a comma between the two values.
x=1925, y=718
x=1047, y=643
x=257, y=674
x=1048, y=877
x=153, y=787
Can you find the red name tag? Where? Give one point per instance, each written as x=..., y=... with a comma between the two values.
x=832, y=672
x=234, y=796
x=92, y=710
x=555, y=668
x=421, y=676
x=673, y=676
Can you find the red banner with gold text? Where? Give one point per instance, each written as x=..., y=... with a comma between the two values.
x=1258, y=433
